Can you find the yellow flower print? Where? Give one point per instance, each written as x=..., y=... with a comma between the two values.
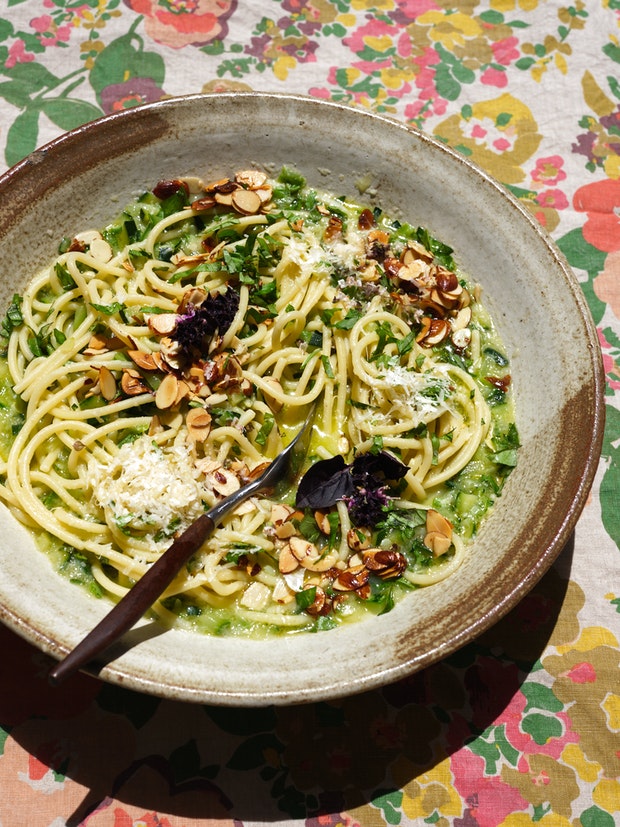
x=450, y=30
x=498, y=134
x=525, y=820
x=611, y=705
x=225, y=85
x=511, y=5
x=573, y=756
x=282, y=65
x=347, y=20
x=611, y=165
x=394, y=78
x=378, y=43
x=591, y=638
x=371, y=5
x=352, y=75
x=430, y=792
x=606, y=795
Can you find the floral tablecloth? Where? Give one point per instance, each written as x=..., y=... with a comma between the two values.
x=520, y=727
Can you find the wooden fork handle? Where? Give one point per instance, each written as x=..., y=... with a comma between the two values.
x=137, y=601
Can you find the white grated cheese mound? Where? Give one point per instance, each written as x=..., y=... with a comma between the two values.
x=348, y=253
x=306, y=253
x=427, y=393
x=147, y=487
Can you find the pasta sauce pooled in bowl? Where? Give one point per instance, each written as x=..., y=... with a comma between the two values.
x=159, y=363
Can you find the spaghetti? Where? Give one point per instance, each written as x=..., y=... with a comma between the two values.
x=156, y=365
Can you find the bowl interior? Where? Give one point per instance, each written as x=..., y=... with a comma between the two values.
x=85, y=178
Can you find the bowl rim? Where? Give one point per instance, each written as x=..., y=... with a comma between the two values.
x=117, y=674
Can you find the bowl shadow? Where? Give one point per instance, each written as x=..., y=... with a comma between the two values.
x=267, y=764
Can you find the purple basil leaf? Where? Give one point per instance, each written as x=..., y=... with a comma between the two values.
x=375, y=465
x=326, y=482
x=199, y=324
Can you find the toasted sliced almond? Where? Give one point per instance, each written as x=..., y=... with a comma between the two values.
x=310, y=556
x=264, y=193
x=320, y=605
x=437, y=542
x=133, y=384
x=198, y=422
x=98, y=342
x=224, y=198
x=101, y=250
x=224, y=482
x=414, y=250
x=462, y=319
x=183, y=392
x=285, y=531
x=322, y=520
x=439, y=330
x=167, y=392
x=379, y=236
x=272, y=393
x=287, y=562
x=246, y=202
x=386, y=563
x=461, y=338
x=358, y=538
x=412, y=270
x=281, y=512
x=205, y=203
x=253, y=179
x=194, y=297
x=352, y=579
x=107, y=383
x=443, y=299
x=437, y=522
x=143, y=360
x=216, y=185
x=162, y=323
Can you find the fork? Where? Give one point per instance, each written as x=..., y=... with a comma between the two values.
x=285, y=467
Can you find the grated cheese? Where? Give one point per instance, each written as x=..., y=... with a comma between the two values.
x=411, y=389
x=147, y=487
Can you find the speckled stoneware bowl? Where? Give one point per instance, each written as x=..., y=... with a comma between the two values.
x=85, y=177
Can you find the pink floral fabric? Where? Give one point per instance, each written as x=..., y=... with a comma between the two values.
x=521, y=727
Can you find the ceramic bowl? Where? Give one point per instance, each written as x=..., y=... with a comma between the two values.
x=85, y=177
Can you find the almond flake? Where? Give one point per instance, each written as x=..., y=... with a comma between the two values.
x=107, y=383
x=167, y=392
x=246, y=202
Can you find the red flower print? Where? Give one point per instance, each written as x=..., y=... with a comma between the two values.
x=18, y=54
x=555, y=199
x=179, y=23
x=504, y=50
x=494, y=77
x=582, y=673
x=548, y=171
x=490, y=799
x=601, y=202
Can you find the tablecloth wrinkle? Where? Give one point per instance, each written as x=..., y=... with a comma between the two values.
x=520, y=727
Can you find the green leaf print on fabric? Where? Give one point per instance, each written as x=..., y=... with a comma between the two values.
x=582, y=255
x=123, y=59
x=610, y=484
x=390, y=803
x=541, y=727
